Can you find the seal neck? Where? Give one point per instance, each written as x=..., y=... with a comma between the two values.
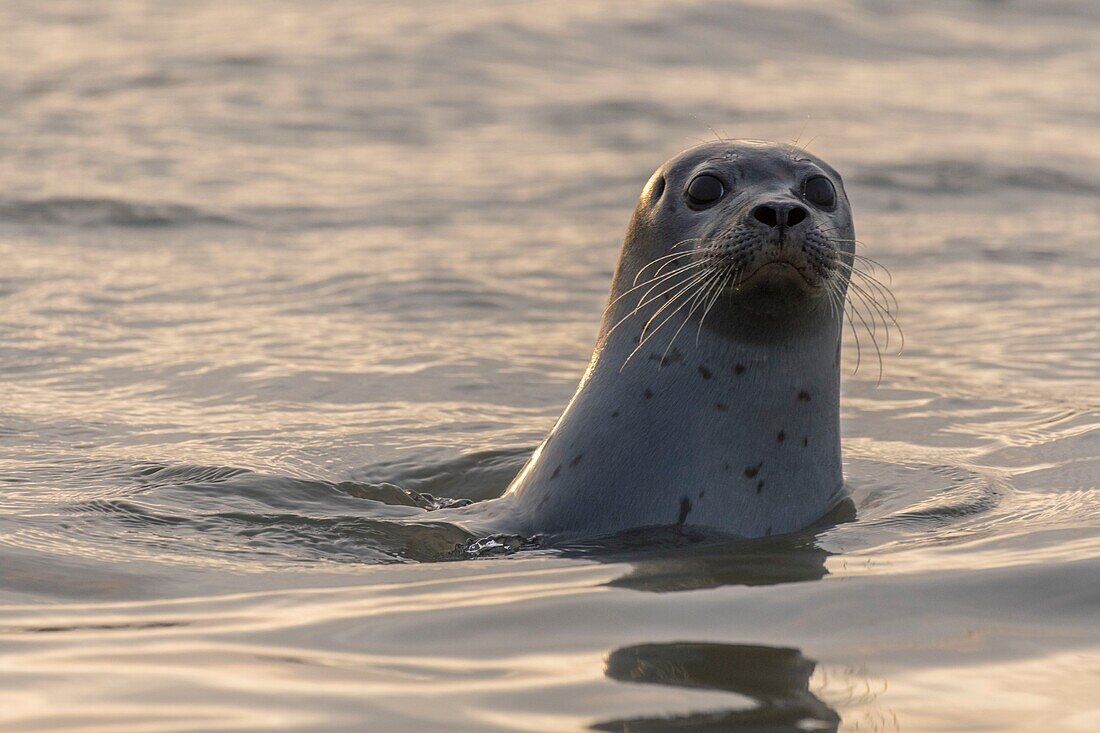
x=738, y=435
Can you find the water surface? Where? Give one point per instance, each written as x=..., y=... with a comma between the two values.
x=275, y=273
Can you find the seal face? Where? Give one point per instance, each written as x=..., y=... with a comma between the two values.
x=767, y=222
x=712, y=396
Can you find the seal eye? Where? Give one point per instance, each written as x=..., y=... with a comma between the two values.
x=820, y=191
x=705, y=189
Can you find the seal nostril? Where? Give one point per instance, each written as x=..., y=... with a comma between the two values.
x=765, y=215
x=795, y=215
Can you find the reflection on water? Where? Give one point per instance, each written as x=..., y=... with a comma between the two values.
x=737, y=563
x=669, y=559
x=776, y=680
x=278, y=278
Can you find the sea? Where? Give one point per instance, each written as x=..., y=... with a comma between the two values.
x=275, y=274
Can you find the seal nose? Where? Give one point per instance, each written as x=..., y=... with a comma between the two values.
x=776, y=215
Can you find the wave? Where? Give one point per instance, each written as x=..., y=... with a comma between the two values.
x=76, y=211
x=966, y=176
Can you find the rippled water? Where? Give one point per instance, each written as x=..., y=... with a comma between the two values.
x=276, y=273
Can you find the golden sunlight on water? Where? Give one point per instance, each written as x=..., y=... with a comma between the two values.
x=279, y=276
x=298, y=658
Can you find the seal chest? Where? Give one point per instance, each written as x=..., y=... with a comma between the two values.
x=712, y=395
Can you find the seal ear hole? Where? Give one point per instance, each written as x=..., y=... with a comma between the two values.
x=658, y=189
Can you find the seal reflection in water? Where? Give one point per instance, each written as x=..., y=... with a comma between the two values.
x=776, y=679
x=712, y=396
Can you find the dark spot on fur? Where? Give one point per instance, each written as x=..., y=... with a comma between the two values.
x=647, y=394
x=685, y=509
x=781, y=437
x=637, y=339
x=704, y=372
x=557, y=470
x=702, y=494
x=804, y=396
x=721, y=407
x=753, y=470
x=759, y=487
x=739, y=369
x=672, y=357
x=768, y=532
x=615, y=413
x=576, y=460
x=727, y=467
x=805, y=440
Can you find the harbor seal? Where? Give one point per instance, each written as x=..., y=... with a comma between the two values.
x=712, y=396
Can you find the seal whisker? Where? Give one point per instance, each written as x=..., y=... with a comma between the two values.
x=646, y=334
x=882, y=287
x=873, y=289
x=685, y=253
x=872, y=315
x=701, y=295
x=650, y=335
x=825, y=233
x=831, y=290
x=839, y=303
x=645, y=299
x=837, y=300
x=859, y=350
x=738, y=275
x=838, y=306
x=885, y=314
x=873, y=309
x=654, y=281
x=794, y=143
x=886, y=329
x=830, y=293
x=714, y=299
x=875, y=264
x=872, y=283
x=691, y=282
x=662, y=276
x=671, y=255
x=870, y=332
x=658, y=276
x=667, y=260
x=667, y=256
x=857, y=265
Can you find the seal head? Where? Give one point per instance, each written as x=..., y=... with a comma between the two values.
x=712, y=396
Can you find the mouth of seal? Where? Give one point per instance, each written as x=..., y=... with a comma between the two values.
x=778, y=272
